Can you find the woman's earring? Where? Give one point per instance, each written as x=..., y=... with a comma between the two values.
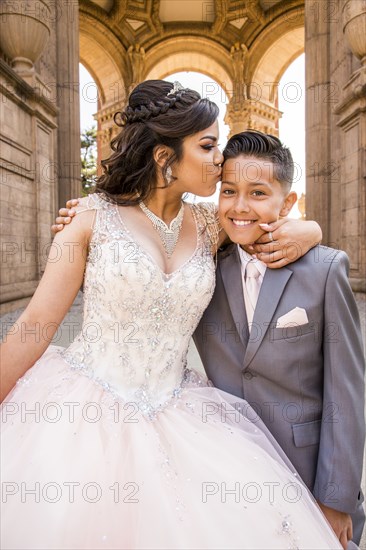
x=169, y=175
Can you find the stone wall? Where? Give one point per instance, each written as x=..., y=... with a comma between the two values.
x=40, y=143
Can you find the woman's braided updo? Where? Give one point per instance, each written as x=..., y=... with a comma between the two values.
x=142, y=112
x=157, y=114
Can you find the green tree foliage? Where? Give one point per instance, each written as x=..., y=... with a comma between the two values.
x=88, y=146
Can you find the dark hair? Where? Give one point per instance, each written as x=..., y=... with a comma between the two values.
x=157, y=114
x=266, y=147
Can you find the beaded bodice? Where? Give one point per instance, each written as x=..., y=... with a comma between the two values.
x=137, y=320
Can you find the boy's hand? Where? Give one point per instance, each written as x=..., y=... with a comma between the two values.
x=340, y=522
x=285, y=241
x=65, y=215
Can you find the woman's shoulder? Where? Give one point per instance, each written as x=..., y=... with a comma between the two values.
x=94, y=201
x=90, y=213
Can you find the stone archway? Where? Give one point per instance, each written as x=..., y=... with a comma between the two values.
x=272, y=64
x=190, y=54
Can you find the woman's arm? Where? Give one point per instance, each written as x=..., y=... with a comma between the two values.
x=285, y=241
x=290, y=240
x=31, y=334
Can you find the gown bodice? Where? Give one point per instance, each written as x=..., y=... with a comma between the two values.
x=137, y=320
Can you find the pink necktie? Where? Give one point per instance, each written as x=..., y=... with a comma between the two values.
x=252, y=287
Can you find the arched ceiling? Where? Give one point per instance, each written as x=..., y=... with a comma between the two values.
x=184, y=10
x=153, y=38
x=147, y=22
x=190, y=54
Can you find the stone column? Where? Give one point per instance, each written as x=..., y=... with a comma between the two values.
x=69, y=164
x=245, y=112
x=317, y=84
x=236, y=115
x=351, y=119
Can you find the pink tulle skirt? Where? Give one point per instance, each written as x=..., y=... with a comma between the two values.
x=83, y=470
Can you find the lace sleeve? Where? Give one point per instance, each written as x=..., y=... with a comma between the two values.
x=208, y=216
x=90, y=202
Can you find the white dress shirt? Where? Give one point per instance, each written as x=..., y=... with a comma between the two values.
x=261, y=266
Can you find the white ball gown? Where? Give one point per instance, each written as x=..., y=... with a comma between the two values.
x=114, y=444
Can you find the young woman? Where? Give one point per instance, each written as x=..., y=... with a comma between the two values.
x=113, y=442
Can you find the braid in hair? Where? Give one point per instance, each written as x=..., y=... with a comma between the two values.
x=142, y=113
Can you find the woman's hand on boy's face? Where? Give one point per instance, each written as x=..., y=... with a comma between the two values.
x=285, y=241
x=65, y=215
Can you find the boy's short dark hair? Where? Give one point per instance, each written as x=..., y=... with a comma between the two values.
x=265, y=147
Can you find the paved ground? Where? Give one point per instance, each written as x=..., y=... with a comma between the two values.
x=72, y=322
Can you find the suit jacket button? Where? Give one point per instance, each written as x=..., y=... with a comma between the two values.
x=248, y=375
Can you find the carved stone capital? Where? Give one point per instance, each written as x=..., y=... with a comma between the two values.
x=238, y=53
x=239, y=56
x=136, y=54
x=105, y=135
x=107, y=129
x=254, y=115
x=105, y=114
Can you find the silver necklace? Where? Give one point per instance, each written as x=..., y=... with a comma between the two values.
x=169, y=235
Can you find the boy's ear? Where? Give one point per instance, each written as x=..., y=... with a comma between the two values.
x=161, y=154
x=288, y=204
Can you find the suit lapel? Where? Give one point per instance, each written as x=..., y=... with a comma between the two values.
x=230, y=268
x=274, y=283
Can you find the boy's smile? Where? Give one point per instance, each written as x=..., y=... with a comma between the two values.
x=250, y=195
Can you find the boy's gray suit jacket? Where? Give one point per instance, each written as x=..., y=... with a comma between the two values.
x=306, y=382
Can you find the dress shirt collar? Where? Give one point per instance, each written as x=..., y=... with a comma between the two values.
x=245, y=258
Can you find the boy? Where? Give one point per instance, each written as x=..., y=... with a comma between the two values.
x=288, y=340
